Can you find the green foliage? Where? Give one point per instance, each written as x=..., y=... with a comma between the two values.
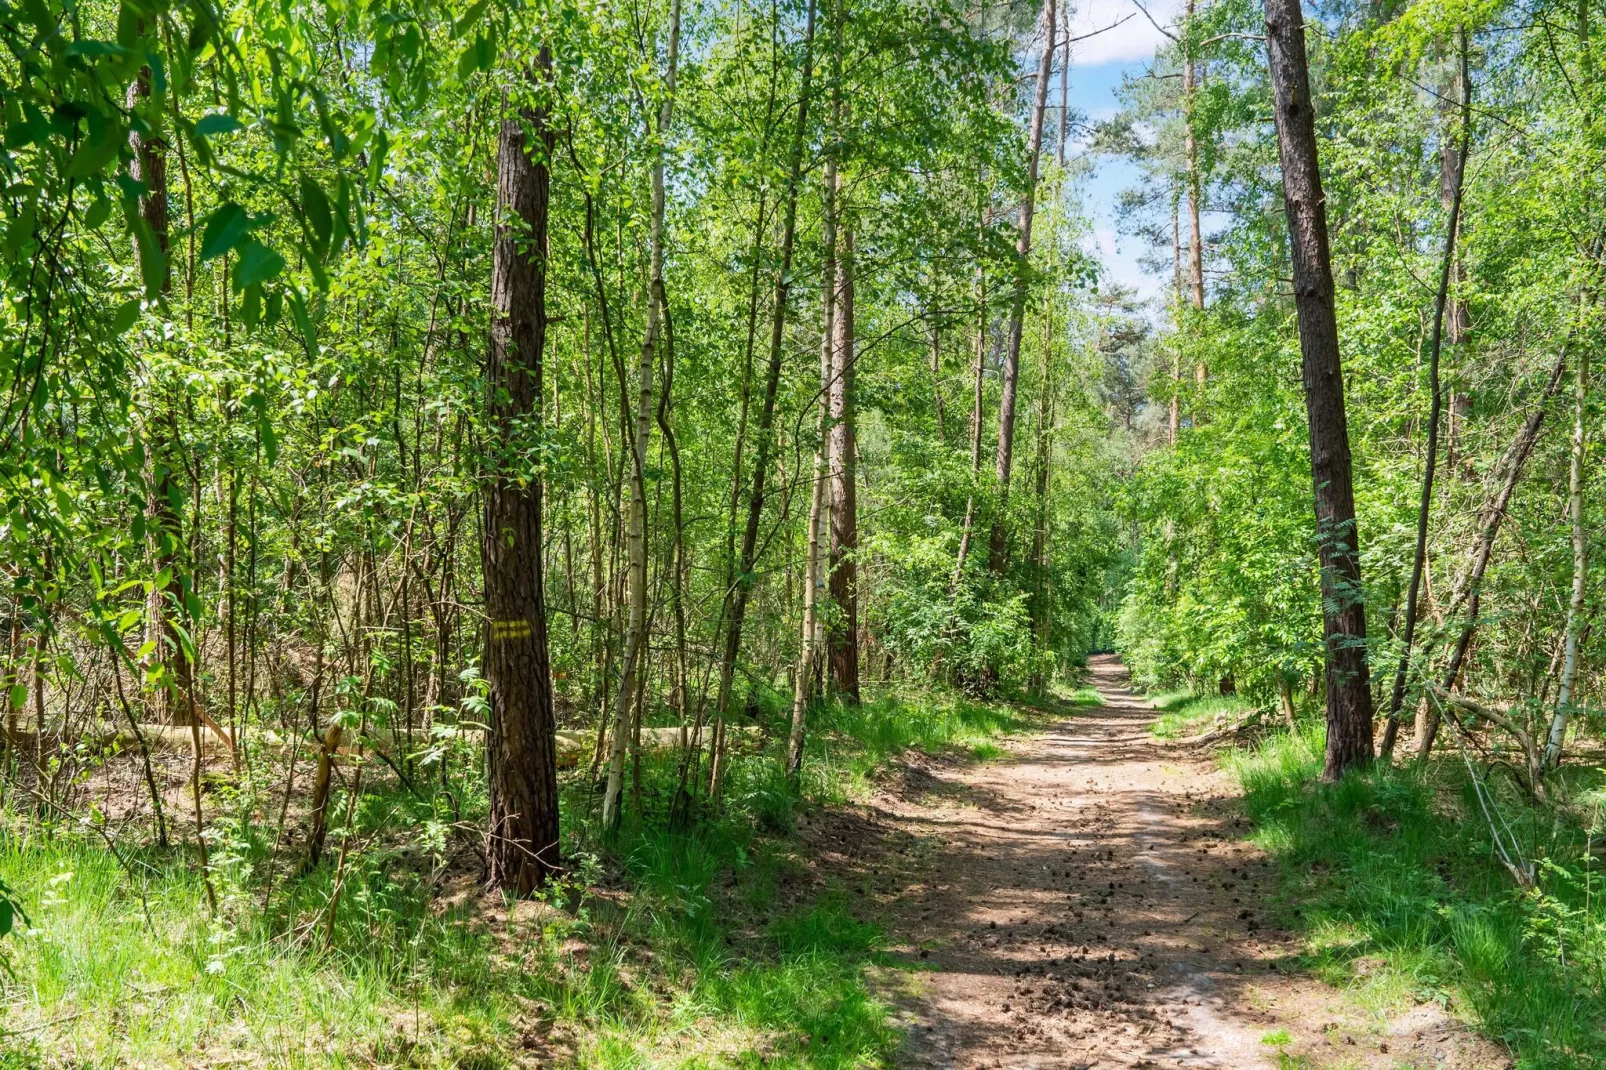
x=1391, y=878
x=1184, y=713
x=710, y=953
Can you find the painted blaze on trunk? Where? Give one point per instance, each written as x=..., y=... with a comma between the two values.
x=1349, y=694
x=521, y=762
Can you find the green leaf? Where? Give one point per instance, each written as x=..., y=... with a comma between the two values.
x=225, y=229
x=470, y=18
x=298, y=312
x=87, y=47
x=7, y=916
x=97, y=151
x=257, y=265
x=98, y=212
x=251, y=307
x=152, y=261
x=315, y=208
x=376, y=159
x=126, y=316
x=217, y=123
x=270, y=441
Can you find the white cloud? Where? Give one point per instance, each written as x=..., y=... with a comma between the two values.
x=1135, y=38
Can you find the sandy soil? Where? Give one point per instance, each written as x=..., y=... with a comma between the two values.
x=1088, y=901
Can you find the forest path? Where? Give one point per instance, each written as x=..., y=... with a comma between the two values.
x=1088, y=901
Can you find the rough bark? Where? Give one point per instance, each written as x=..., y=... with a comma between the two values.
x=521, y=760
x=999, y=542
x=1349, y=695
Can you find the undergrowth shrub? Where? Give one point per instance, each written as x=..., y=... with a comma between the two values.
x=1398, y=864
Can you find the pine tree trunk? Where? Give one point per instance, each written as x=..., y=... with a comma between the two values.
x=1065, y=87
x=1190, y=150
x=999, y=542
x=1349, y=695
x=1174, y=416
x=521, y=760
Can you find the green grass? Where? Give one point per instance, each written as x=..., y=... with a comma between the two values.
x=1390, y=877
x=1183, y=713
x=849, y=744
x=1085, y=697
x=713, y=947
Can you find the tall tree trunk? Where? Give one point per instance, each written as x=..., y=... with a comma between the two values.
x=744, y=579
x=1557, y=736
x=1468, y=587
x=999, y=543
x=678, y=565
x=521, y=758
x=1190, y=148
x=1349, y=694
x=1575, y=605
x=1174, y=416
x=1041, y=618
x=978, y=369
x=814, y=585
x=1425, y=504
x=164, y=522
x=1065, y=88
x=844, y=633
x=636, y=636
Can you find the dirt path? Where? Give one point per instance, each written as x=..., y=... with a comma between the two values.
x=1087, y=901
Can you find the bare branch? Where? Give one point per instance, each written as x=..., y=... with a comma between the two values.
x=1156, y=25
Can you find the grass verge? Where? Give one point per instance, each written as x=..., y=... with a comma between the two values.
x=1391, y=878
x=1183, y=713
x=712, y=947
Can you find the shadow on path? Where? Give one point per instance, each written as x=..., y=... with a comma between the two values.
x=1085, y=901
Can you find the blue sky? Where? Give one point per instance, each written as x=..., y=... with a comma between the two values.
x=1097, y=66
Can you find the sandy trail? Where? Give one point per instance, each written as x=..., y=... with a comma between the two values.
x=1087, y=901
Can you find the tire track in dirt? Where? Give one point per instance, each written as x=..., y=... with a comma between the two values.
x=1087, y=901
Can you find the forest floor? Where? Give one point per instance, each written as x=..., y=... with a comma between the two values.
x=1089, y=900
